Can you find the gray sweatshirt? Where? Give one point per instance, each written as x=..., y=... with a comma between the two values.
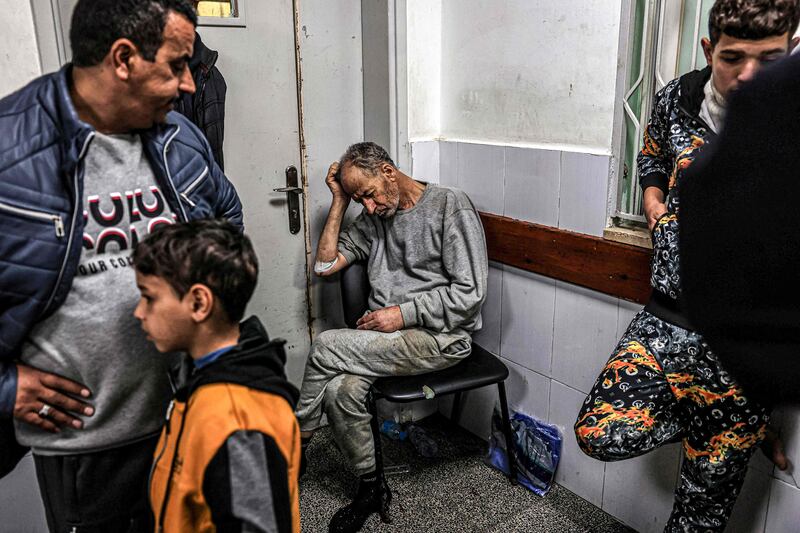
x=430, y=260
x=93, y=337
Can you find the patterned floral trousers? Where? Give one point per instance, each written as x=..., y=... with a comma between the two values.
x=663, y=384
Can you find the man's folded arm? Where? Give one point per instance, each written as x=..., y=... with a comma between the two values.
x=353, y=245
x=654, y=163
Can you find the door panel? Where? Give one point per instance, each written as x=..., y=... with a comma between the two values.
x=261, y=140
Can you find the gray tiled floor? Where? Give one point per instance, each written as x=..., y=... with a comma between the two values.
x=454, y=493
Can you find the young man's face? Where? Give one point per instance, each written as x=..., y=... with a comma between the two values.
x=378, y=194
x=165, y=318
x=156, y=85
x=734, y=61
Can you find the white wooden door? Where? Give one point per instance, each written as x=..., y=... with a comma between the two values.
x=261, y=140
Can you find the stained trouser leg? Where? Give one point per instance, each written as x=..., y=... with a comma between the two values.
x=345, y=404
x=360, y=357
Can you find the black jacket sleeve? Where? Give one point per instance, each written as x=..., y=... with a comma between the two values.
x=211, y=114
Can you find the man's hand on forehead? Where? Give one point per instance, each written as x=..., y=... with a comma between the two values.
x=334, y=182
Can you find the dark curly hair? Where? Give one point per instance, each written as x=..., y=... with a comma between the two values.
x=96, y=24
x=753, y=19
x=210, y=252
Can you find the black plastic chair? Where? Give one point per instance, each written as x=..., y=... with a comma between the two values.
x=479, y=369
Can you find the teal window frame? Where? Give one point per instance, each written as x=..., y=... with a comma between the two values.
x=645, y=76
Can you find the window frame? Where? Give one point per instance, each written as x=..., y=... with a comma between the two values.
x=667, y=29
x=238, y=20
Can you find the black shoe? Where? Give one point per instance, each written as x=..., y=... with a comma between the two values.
x=373, y=496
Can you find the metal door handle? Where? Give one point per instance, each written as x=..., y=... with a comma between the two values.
x=293, y=193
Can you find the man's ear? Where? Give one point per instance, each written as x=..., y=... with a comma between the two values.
x=389, y=171
x=123, y=53
x=708, y=50
x=793, y=43
x=201, y=300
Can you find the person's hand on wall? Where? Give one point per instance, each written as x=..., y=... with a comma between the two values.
x=654, y=206
x=44, y=399
x=386, y=320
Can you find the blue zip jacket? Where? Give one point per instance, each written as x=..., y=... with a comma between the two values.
x=42, y=146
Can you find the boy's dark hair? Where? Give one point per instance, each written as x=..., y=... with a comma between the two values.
x=753, y=19
x=367, y=156
x=96, y=24
x=211, y=252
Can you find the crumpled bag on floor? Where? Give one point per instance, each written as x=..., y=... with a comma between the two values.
x=537, y=450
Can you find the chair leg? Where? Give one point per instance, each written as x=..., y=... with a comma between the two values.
x=376, y=435
x=455, y=412
x=512, y=465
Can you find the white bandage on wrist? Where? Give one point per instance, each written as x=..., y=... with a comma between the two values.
x=320, y=267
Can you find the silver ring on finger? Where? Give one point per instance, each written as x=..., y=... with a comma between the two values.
x=45, y=410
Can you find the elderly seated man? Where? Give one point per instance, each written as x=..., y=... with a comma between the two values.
x=427, y=267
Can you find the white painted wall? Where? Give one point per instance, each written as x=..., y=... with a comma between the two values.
x=521, y=72
x=19, y=53
x=424, y=48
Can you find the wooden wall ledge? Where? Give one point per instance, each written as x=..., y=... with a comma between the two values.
x=610, y=267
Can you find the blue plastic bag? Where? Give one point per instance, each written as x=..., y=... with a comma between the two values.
x=537, y=450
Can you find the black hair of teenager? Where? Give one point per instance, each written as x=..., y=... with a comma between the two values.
x=96, y=24
x=213, y=253
x=753, y=19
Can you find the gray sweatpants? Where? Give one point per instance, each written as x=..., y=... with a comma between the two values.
x=342, y=365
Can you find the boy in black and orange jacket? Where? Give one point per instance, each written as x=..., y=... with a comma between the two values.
x=229, y=453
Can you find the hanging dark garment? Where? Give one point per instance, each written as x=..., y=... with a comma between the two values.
x=206, y=107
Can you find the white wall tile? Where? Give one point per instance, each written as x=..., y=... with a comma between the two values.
x=21, y=507
x=528, y=391
x=750, y=512
x=448, y=164
x=532, y=180
x=761, y=463
x=627, y=310
x=527, y=328
x=783, y=515
x=425, y=161
x=584, y=193
x=576, y=471
x=640, y=491
x=585, y=334
x=480, y=175
x=788, y=423
x=489, y=335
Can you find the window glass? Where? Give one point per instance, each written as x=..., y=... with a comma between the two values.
x=217, y=9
